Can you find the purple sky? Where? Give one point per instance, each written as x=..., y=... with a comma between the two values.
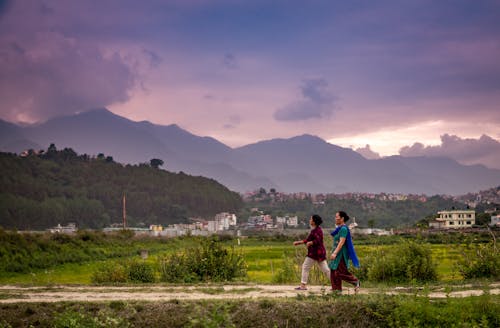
x=422, y=74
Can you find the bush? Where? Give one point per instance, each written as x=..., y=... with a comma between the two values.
x=140, y=272
x=110, y=273
x=208, y=261
x=177, y=268
x=483, y=262
x=216, y=263
x=409, y=262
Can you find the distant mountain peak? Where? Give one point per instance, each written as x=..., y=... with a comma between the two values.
x=95, y=111
x=308, y=138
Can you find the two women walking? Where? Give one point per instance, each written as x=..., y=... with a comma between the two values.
x=343, y=250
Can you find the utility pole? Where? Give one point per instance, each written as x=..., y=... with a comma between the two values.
x=124, y=212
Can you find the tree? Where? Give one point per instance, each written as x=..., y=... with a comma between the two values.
x=52, y=148
x=483, y=218
x=156, y=162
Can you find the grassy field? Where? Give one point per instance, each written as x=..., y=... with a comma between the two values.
x=263, y=258
x=301, y=311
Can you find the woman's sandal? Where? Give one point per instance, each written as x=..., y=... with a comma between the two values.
x=357, y=286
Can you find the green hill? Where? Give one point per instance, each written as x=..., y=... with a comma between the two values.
x=40, y=191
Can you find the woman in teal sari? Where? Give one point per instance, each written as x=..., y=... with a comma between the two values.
x=343, y=251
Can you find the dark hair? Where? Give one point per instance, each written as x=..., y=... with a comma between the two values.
x=317, y=219
x=344, y=215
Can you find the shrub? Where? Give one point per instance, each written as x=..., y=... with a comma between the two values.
x=482, y=262
x=110, y=273
x=177, y=268
x=216, y=263
x=411, y=261
x=140, y=272
x=208, y=261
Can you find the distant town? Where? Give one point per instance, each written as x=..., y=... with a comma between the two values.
x=226, y=222
x=490, y=196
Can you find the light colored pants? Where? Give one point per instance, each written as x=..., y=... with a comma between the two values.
x=307, y=265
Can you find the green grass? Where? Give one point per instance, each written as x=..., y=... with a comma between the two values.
x=263, y=259
x=303, y=311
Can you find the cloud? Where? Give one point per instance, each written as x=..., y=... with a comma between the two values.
x=367, y=153
x=49, y=70
x=317, y=102
x=484, y=150
x=153, y=58
x=53, y=74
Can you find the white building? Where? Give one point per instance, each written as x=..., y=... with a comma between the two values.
x=291, y=221
x=281, y=219
x=495, y=221
x=70, y=228
x=226, y=220
x=213, y=226
x=454, y=219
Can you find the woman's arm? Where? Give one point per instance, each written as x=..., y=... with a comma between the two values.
x=338, y=248
x=308, y=241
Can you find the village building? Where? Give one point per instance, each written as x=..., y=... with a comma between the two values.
x=290, y=221
x=495, y=221
x=70, y=228
x=454, y=219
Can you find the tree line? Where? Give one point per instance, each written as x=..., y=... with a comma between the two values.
x=368, y=212
x=40, y=190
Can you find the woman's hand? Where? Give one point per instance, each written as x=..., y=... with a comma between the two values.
x=295, y=243
x=333, y=256
x=309, y=243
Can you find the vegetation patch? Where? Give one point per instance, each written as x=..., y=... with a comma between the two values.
x=209, y=261
x=320, y=311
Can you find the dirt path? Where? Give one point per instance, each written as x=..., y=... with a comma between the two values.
x=15, y=294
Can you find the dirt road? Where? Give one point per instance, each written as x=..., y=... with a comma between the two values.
x=15, y=294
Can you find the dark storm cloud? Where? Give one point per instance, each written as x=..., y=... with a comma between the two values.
x=317, y=102
x=485, y=150
x=51, y=74
x=395, y=63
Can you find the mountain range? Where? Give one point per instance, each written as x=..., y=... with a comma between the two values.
x=303, y=163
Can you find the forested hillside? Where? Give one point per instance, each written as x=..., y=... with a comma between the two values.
x=40, y=191
x=369, y=210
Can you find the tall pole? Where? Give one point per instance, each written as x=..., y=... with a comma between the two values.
x=124, y=212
